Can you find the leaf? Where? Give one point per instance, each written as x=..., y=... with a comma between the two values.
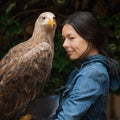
x=10, y=7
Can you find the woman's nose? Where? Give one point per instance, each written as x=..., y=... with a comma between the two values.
x=65, y=44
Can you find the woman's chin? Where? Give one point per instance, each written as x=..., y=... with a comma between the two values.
x=72, y=58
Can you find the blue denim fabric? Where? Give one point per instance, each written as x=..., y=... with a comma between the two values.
x=86, y=92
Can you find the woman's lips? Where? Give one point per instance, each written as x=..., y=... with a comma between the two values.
x=69, y=52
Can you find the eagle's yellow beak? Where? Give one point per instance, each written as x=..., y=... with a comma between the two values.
x=51, y=22
x=26, y=117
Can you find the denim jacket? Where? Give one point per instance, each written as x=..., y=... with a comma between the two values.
x=85, y=95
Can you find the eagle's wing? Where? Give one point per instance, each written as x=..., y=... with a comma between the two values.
x=12, y=53
x=21, y=80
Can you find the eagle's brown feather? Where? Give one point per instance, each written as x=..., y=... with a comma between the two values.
x=26, y=68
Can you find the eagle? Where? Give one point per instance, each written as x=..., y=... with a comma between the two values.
x=26, y=68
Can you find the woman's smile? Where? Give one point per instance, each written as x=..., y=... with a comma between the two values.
x=69, y=52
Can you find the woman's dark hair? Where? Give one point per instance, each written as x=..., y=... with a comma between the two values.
x=88, y=27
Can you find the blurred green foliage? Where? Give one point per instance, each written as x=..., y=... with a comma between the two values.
x=112, y=22
x=59, y=2
x=10, y=29
x=112, y=27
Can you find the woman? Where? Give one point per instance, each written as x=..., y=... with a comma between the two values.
x=85, y=95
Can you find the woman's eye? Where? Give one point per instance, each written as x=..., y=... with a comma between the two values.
x=71, y=38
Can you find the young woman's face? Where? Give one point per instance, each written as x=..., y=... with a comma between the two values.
x=74, y=44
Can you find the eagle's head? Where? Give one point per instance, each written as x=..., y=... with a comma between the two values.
x=45, y=25
x=45, y=19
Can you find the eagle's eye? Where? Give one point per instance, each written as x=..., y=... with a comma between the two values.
x=43, y=18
